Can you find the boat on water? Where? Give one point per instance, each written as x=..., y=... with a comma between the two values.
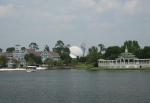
x=34, y=68
x=31, y=68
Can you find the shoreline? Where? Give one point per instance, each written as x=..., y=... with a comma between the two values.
x=88, y=69
x=12, y=69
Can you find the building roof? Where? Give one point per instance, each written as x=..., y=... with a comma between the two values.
x=32, y=51
x=53, y=54
x=126, y=55
x=39, y=53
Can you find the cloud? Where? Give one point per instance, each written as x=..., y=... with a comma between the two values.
x=6, y=9
x=120, y=6
x=132, y=6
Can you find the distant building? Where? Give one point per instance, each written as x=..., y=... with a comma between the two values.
x=125, y=60
x=44, y=54
x=19, y=55
x=33, y=51
x=9, y=57
x=49, y=55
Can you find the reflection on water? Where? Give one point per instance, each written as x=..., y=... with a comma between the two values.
x=75, y=86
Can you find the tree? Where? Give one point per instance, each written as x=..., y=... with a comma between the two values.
x=133, y=46
x=33, y=46
x=23, y=48
x=10, y=49
x=112, y=52
x=59, y=47
x=63, y=51
x=146, y=52
x=3, y=60
x=65, y=55
x=49, y=62
x=83, y=47
x=32, y=59
x=1, y=50
x=93, y=55
x=16, y=62
x=59, y=44
x=101, y=47
x=47, y=48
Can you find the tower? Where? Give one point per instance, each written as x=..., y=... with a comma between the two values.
x=126, y=50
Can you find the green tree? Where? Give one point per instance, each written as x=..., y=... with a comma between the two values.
x=133, y=46
x=47, y=48
x=23, y=48
x=10, y=49
x=112, y=52
x=33, y=46
x=63, y=51
x=1, y=50
x=59, y=47
x=49, y=62
x=146, y=52
x=83, y=47
x=16, y=62
x=65, y=55
x=93, y=55
x=101, y=47
x=32, y=59
x=3, y=60
x=59, y=43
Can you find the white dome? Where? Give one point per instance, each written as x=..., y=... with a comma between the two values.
x=75, y=51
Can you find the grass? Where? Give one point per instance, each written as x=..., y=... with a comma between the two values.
x=84, y=66
x=119, y=69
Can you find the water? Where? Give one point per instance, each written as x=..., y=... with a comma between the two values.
x=75, y=86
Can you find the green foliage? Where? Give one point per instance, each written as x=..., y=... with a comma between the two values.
x=10, y=49
x=33, y=46
x=83, y=47
x=112, y=52
x=50, y=62
x=63, y=51
x=1, y=50
x=93, y=55
x=47, y=48
x=23, y=48
x=83, y=59
x=59, y=47
x=84, y=66
x=32, y=59
x=16, y=62
x=146, y=52
x=3, y=60
x=101, y=47
x=133, y=46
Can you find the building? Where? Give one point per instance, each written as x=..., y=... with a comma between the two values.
x=125, y=60
x=19, y=55
x=49, y=55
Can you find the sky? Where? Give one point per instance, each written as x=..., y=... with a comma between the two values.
x=110, y=22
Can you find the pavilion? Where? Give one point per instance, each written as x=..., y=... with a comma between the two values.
x=125, y=60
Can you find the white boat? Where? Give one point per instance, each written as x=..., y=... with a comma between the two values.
x=41, y=68
x=31, y=68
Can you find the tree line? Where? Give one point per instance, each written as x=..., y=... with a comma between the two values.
x=93, y=53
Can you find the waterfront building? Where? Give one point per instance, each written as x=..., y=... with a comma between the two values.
x=19, y=55
x=125, y=60
x=49, y=55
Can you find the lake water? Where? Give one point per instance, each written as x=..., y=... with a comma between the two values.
x=75, y=86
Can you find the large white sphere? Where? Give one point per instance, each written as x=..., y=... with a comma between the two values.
x=75, y=51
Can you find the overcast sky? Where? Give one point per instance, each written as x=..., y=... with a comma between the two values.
x=110, y=22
